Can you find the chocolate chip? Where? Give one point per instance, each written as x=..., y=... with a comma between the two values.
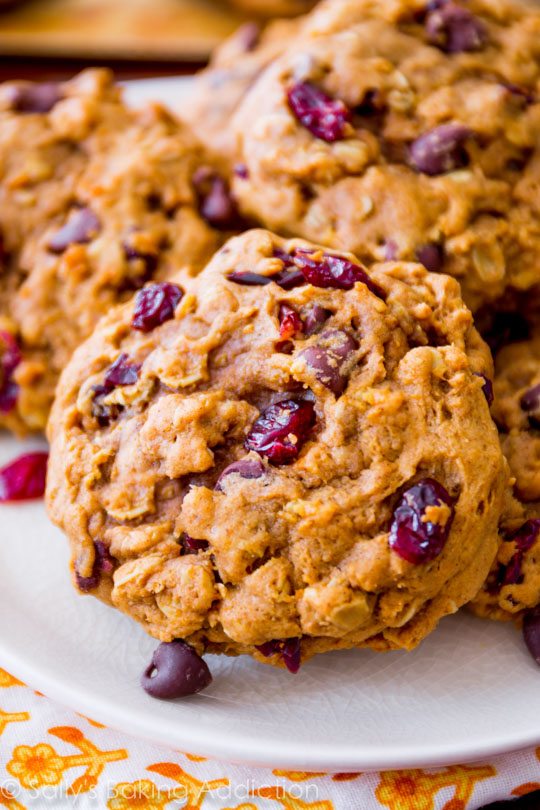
x=441, y=150
x=245, y=468
x=454, y=29
x=328, y=358
x=431, y=255
x=81, y=227
x=315, y=319
x=34, y=98
x=176, y=670
x=530, y=403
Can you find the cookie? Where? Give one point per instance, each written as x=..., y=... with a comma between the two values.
x=513, y=586
x=218, y=90
x=404, y=130
x=288, y=454
x=92, y=210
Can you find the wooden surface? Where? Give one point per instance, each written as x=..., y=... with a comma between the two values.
x=168, y=31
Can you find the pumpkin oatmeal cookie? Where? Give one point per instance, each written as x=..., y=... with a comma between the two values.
x=95, y=200
x=288, y=454
x=513, y=587
x=404, y=129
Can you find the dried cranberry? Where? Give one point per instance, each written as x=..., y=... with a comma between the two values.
x=412, y=534
x=523, y=539
x=487, y=388
x=531, y=633
x=121, y=372
x=103, y=564
x=335, y=272
x=9, y=360
x=35, y=98
x=245, y=468
x=323, y=116
x=327, y=358
x=176, y=670
x=530, y=403
x=24, y=478
x=155, y=304
x=281, y=430
x=81, y=227
x=289, y=649
x=441, y=150
x=290, y=322
x=454, y=29
x=431, y=255
x=191, y=546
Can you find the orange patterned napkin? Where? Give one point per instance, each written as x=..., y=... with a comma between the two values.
x=51, y=757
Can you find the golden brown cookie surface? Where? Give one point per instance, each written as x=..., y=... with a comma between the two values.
x=95, y=200
x=404, y=130
x=289, y=447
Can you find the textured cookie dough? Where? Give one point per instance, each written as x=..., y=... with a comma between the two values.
x=404, y=130
x=338, y=408
x=218, y=90
x=514, y=583
x=95, y=200
x=274, y=8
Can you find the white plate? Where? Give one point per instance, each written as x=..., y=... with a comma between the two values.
x=470, y=691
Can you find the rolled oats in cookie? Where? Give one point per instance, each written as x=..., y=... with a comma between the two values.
x=117, y=203
x=404, y=130
x=293, y=454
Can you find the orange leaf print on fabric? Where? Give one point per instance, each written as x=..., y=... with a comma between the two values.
x=41, y=765
x=345, y=777
x=289, y=802
x=528, y=787
x=7, y=680
x=416, y=789
x=11, y=717
x=298, y=776
x=142, y=794
x=9, y=801
x=192, y=790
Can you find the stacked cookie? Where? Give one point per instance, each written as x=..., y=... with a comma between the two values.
x=406, y=130
x=95, y=201
x=288, y=448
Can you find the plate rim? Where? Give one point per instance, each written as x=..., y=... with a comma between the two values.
x=232, y=748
